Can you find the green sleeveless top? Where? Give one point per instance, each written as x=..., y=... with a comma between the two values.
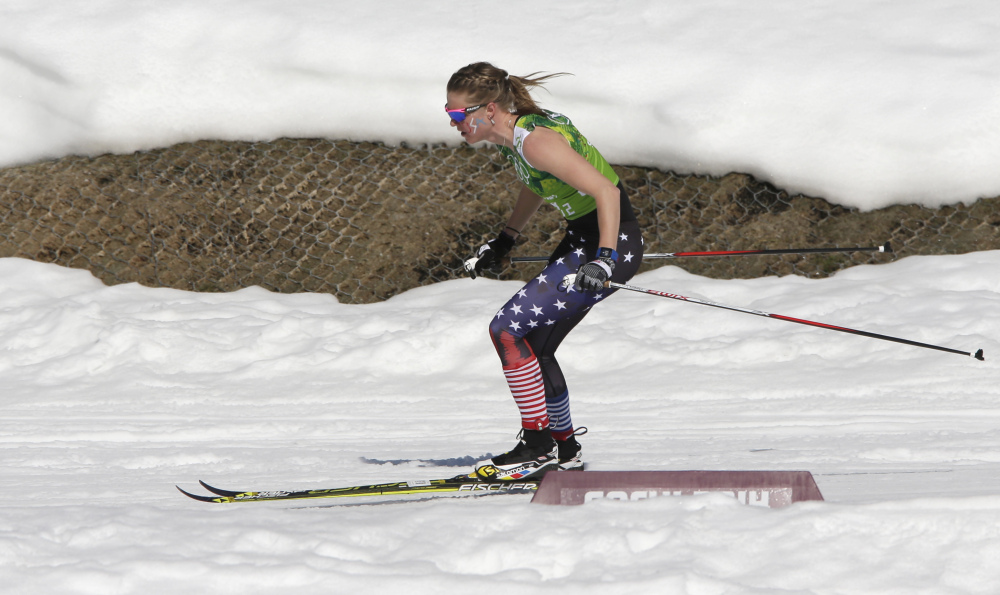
x=571, y=202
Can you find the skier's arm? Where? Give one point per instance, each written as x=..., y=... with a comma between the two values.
x=525, y=207
x=489, y=254
x=549, y=151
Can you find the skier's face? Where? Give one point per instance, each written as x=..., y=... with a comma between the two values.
x=473, y=122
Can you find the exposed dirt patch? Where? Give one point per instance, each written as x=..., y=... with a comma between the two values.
x=365, y=221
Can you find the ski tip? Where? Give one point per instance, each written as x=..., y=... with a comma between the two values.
x=196, y=496
x=885, y=247
x=219, y=492
x=979, y=356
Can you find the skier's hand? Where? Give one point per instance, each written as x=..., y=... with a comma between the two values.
x=489, y=254
x=593, y=275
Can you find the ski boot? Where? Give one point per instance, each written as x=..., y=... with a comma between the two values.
x=570, y=452
x=535, y=454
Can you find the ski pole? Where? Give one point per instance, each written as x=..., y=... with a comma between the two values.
x=883, y=248
x=569, y=279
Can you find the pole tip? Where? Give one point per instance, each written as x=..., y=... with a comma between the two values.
x=979, y=356
x=886, y=247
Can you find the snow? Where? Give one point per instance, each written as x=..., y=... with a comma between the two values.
x=866, y=103
x=112, y=395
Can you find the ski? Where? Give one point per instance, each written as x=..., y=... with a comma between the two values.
x=460, y=485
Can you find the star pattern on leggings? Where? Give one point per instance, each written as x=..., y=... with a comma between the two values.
x=546, y=309
x=544, y=301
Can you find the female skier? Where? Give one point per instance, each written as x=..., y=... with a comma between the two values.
x=556, y=165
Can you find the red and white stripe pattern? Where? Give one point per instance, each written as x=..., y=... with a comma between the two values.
x=528, y=389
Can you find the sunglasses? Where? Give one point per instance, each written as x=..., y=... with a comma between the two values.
x=459, y=114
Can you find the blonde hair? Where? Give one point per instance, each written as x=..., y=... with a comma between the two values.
x=485, y=83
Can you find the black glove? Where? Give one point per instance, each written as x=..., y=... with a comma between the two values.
x=591, y=276
x=489, y=254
